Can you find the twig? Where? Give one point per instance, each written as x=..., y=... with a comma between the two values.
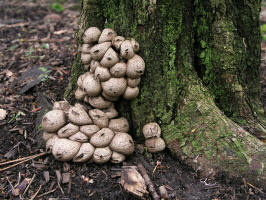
x=10, y=184
x=255, y=187
x=24, y=158
x=148, y=182
x=31, y=180
x=49, y=192
x=33, y=196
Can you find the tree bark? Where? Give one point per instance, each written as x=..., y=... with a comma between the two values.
x=202, y=59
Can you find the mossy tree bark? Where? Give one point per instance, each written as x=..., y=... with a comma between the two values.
x=202, y=59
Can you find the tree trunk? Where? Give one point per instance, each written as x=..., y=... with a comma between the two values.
x=202, y=59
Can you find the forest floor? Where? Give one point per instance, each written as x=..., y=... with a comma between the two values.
x=36, y=53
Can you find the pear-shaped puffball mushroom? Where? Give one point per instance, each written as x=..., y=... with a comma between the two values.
x=155, y=144
x=133, y=82
x=102, y=73
x=68, y=130
x=151, y=129
x=107, y=35
x=46, y=136
x=110, y=112
x=94, y=64
x=122, y=143
x=50, y=143
x=102, y=138
x=135, y=67
x=53, y=120
x=80, y=94
x=109, y=97
x=91, y=85
x=79, y=116
x=126, y=51
x=99, y=102
x=117, y=157
x=117, y=41
x=114, y=86
x=102, y=155
x=131, y=93
x=135, y=45
x=110, y=58
x=61, y=105
x=119, y=125
x=89, y=130
x=79, y=137
x=99, y=118
x=85, y=58
x=85, y=48
x=65, y=149
x=80, y=80
x=118, y=70
x=91, y=35
x=85, y=153
x=98, y=51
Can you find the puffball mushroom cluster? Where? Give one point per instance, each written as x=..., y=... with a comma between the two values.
x=81, y=133
x=113, y=67
x=152, y=133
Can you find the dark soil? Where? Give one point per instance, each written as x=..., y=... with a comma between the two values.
x=33, y=35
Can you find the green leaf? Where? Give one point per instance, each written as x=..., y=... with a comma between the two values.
x=58, y=7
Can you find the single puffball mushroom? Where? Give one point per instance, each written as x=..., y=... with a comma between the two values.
x=94, y=64
x=117, y=157
x=86, y=151
x=91, y=85
x=89, y=130
x=65, y=149
x=50, y=143
x=126, y=50
x=117, y=41
x=102, y=138
x=99, y=102
x=91, y=35
x=135, y=67
x=53, y=120
x=99, y=118
x=110, y=112
x=135, y=45
x=118, y=70
x=131, y=93
x=109, y=97
x=122, y=143
x=102, y=73
x=155, y=144
x=61, y=105
x=80, y=94
x=107, y=35
x=119, y=125
x=85, y=48
x=85, y=58
x=151, y=129
x=79, y=137
x=98, y=50
x=133, y=82
x=68, y=130
x=114, y=86
x=102, y=155
x=46, y=136
x=110, y=58
x=79, y=116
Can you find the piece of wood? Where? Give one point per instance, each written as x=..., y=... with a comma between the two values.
x=148, y=182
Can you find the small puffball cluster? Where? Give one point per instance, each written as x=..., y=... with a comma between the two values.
x=152, y=133
x=87, y=133
x=113, y=67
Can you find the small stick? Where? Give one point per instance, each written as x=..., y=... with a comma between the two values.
x=24, y=158
x=255, y=187
x=49, y=192
x=148, y=182
x=33, y=196
x=31, y=180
